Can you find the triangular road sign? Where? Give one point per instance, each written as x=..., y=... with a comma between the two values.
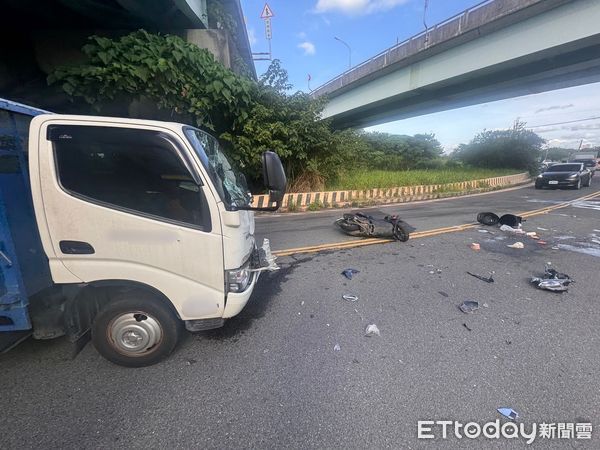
x=266, y=12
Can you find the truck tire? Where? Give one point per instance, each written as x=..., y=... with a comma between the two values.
x=136, y=330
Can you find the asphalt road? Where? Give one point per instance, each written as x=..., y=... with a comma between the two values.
x=272, y=379
x=303, y=229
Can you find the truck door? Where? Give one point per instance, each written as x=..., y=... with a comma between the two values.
x=126, y=202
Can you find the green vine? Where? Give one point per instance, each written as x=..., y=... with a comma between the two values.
x=172, y=73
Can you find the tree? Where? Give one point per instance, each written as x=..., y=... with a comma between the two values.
x=516, y=148
x=248, y=117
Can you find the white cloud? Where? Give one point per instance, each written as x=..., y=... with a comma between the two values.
x=251, y=36
x=308, y=47
x=356, y=7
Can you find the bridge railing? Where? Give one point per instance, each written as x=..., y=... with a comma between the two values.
x=471, y=18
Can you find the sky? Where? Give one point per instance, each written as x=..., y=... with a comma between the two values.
x=304, y=36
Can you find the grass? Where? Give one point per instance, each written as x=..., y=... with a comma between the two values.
x=369, y=179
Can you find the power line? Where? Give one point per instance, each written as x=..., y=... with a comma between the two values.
x=563, y=123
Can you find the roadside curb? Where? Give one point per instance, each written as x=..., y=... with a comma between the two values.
x=303, y=201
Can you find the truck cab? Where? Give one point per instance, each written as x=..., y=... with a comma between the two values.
x=147, y=230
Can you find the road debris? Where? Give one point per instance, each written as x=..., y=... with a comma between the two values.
x=442, y=293
x=337, y=348
x=489, y=279
x=509, y=229
x=469, y=306
x=509, y=413
x=553, y=281
x=542, y=229
x=387, y=227
x=517, y=245
x=350, y=298
x=467, y=327
x=475, y=246
x=511, y=220
x=487, y=218
x=482, y=231
x=349, y=273
x=372, y=330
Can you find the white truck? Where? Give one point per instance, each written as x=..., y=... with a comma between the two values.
x=141, y=229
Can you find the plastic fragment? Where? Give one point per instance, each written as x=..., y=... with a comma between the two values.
x=509, y=413
x=350, y=298
x=489, y=279
x=349, y=273
x=510, y=229
x=553, y=280
x=475, y=246
x=372, y=330
x=469, y=306
x=517, y=245
x=337, y=348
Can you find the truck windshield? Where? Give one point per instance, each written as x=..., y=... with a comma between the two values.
x=230, y=183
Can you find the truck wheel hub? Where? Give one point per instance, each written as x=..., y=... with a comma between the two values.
x=135, y=333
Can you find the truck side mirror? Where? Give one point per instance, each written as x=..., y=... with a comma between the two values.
x=274, y=177
x=275, y=181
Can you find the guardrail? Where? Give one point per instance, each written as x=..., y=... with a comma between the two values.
x=352, y=198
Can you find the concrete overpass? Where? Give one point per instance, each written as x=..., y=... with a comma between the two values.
x=495, y=50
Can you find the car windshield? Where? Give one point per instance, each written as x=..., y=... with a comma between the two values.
x=230, y=183
x=565, y=168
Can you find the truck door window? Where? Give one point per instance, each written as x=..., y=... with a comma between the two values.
x=138, y=171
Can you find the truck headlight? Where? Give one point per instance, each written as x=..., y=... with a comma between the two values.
x=238, y=279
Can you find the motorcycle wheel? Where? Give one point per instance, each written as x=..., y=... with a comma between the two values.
x=401, y=232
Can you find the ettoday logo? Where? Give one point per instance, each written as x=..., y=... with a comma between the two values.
x=430, y=429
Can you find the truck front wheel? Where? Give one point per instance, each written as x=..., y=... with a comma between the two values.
x=136, y=330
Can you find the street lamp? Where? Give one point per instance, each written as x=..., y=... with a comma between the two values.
x=349, y=51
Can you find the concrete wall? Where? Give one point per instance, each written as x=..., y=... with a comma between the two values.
x=215, y=41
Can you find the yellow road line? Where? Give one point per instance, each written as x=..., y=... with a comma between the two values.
x=420, y=234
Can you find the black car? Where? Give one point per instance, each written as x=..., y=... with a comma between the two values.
x=564, y=175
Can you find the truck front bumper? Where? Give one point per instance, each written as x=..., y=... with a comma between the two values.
x=262, y=260
x=237, y=300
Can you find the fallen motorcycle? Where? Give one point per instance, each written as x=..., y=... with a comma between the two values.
x=359, y=224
